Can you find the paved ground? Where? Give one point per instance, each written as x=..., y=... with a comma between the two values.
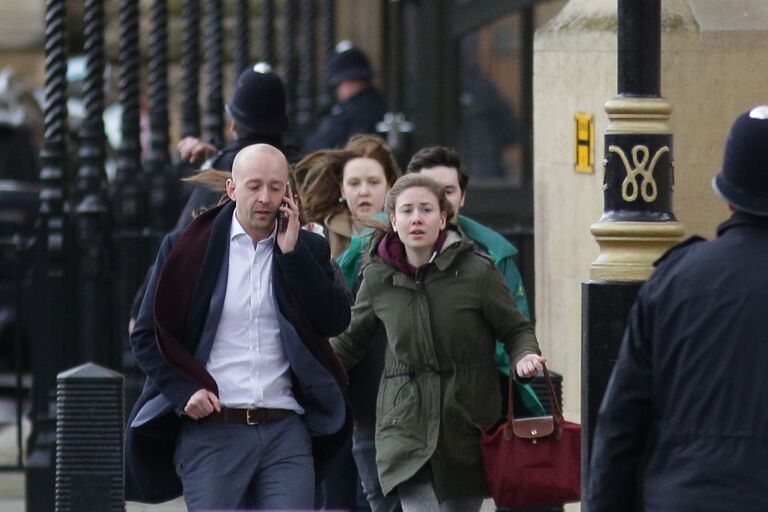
x=12, y=483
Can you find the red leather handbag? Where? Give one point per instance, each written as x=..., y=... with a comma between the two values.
x=533, y=462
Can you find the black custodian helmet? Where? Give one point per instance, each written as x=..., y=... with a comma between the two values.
x=743, y=180
x=348, y=63
x=258, y=104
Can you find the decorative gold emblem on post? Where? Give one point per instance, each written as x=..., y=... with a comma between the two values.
x=648, y=188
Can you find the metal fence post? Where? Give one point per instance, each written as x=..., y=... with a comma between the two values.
x=51, y=266
x=290, y=22
x=305, y=106
x=242, y=37
x=213, y=122
x=267, y=21
x=92, y=212
x=161, y=209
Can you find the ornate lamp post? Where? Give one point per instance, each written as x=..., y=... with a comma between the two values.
x=638, y=224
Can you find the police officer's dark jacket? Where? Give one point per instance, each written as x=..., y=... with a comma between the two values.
x=359, y=114
x=686, y=410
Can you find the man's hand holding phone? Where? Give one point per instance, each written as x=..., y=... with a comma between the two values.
x=288, y=222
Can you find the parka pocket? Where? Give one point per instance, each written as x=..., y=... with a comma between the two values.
x=398, y=399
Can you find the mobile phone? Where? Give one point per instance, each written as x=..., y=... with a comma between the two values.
x=282, y=217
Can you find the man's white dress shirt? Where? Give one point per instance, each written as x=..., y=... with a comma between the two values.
x=247, y=358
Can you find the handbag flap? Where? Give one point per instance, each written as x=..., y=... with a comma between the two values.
x=533, y=428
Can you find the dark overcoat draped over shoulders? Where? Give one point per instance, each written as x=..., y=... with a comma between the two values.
x=174, y=333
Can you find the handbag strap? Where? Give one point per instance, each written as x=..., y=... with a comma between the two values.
x=557, y=414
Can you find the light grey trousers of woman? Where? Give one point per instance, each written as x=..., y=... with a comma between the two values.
x=418, y=495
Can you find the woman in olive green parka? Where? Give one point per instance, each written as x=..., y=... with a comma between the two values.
x=443, y=306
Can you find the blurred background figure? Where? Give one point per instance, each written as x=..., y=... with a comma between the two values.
x=359, y=106
x=489, y=126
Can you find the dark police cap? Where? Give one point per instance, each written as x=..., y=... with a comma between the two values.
x=258, y=104
x=348, y=63
x=743, y=180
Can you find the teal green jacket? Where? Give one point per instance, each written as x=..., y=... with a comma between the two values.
x=502, y=253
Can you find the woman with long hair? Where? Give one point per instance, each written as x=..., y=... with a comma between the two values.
x=342, y=191
x=443, y=305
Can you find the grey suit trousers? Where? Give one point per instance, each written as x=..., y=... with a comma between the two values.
x=240, y=467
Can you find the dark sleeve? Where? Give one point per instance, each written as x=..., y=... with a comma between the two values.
x=352, y=345
x=309, y=275
x=139, y=297
x=622, y=423
x=176, y=388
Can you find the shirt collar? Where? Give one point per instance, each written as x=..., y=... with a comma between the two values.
x=236, y=230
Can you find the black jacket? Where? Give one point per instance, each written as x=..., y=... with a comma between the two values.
x=359, y=114
x=684, y=422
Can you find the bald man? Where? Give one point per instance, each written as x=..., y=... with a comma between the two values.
x=243, y=404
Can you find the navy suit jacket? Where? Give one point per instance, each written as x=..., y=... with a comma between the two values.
x=310, y=305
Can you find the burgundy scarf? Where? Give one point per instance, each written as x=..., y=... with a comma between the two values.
x=186, y=281
x=392, y=251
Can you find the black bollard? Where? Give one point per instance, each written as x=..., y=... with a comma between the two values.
x=89, y=440
x=52, y=275
x=638, y=224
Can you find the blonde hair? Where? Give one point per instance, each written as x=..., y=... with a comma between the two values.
x=401, y=185
x=417, y=180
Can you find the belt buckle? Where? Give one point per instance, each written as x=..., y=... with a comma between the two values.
x=248, y=417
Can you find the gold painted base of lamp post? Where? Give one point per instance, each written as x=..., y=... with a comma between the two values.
x=629, y=249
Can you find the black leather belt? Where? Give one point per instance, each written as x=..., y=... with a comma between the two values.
x=251, y=417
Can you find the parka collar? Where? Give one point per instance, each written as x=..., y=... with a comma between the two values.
x=741, y=219
x=388, y=247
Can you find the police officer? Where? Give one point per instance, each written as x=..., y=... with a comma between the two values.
x=684, y=422
x=257, y=114
x=359, y=106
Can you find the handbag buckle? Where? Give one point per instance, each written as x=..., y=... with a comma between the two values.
x=533, y=428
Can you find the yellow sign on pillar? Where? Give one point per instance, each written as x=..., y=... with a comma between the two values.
x=585, y=142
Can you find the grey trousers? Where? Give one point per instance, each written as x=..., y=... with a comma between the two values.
x=418, y=495
x=364, y=452
x=239, y=467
